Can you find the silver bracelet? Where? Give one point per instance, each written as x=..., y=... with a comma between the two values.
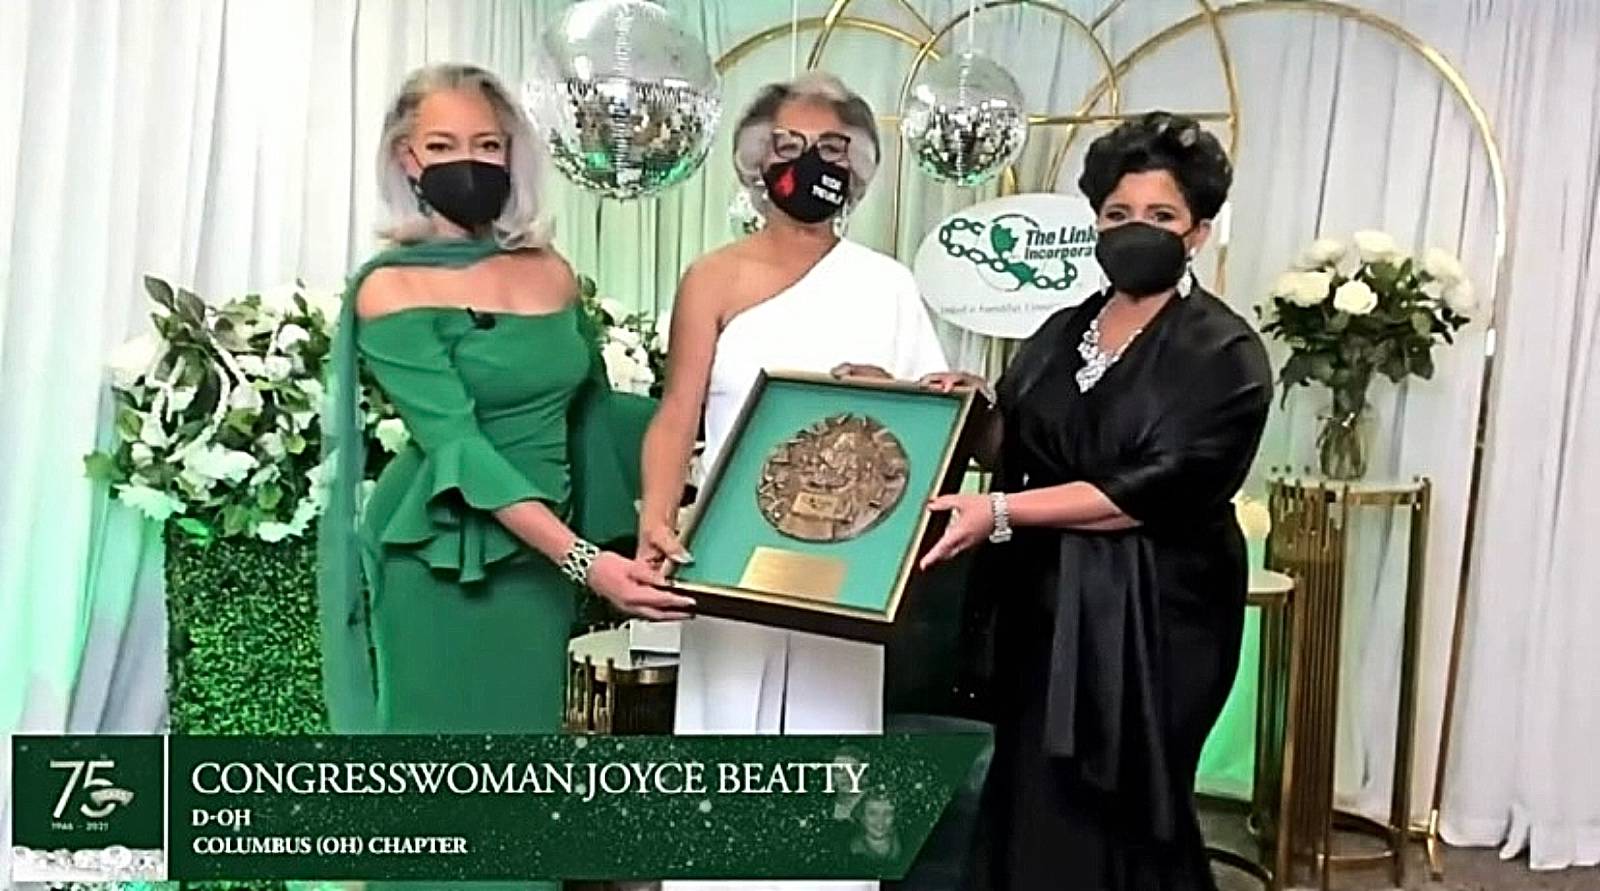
x=578, y=561
x=1001, y=533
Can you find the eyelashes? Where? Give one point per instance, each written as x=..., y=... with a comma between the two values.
x=489, y=146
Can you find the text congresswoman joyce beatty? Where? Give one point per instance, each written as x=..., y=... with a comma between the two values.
x=525, y=778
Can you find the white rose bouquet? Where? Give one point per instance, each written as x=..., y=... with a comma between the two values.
x=217, y=413
x=1350, y=312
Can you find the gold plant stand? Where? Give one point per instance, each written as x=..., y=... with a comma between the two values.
x=1311, y=521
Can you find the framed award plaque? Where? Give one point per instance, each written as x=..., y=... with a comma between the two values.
x=815, y=513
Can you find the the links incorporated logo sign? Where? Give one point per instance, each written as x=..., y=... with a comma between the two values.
x=1019, y=260
x=1002, y=267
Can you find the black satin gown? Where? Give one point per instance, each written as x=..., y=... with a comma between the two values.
x=1114, y=652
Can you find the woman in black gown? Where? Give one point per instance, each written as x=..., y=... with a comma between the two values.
x=1122, y=429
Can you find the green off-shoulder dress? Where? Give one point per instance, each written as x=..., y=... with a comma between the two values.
x=469, y=625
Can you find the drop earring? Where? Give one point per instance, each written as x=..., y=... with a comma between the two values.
x=1186, y=283
x=416, y=184
x=422, y=203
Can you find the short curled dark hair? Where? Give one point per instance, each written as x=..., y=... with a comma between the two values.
x=1160, y=140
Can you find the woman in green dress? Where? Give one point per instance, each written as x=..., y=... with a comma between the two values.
x=474, y=545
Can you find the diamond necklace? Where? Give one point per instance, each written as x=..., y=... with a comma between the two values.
x=1096, y=361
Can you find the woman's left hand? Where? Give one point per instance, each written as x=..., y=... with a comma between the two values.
x=971, y=522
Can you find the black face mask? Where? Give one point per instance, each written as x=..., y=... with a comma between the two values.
x=468, y=192
x=808, y=188
x=1142, y=260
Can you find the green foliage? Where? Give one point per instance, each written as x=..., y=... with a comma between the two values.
x=243, y=636
x=242, y=642
x=216, y=402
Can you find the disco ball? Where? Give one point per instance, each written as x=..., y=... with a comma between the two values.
x=964, y=120
x=625, y=99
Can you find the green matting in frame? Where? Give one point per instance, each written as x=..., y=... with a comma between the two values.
x=814, y=554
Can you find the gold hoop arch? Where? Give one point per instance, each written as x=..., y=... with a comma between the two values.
x=1230, y=80
x=836, y=12
x=826, y=23
x=1480, y=120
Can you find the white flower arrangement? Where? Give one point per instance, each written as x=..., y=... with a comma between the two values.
x=632, y=345
x=1345, y=325
x=217, y=408
x=1381, y=315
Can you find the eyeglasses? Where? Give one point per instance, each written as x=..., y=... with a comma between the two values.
x=789, y=144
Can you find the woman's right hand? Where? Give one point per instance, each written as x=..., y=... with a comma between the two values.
x=637, y=588
x=658, y=543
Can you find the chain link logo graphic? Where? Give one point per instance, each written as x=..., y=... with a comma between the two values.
x=1020, y=259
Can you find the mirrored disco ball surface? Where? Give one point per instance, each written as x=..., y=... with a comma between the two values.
x=625, y=99
x=964, y=121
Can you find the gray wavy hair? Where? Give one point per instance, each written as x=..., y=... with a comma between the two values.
x=752, y=137
x=519, y=224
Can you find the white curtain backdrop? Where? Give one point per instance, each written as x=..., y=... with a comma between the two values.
x=228, y=145
x=1523, y=772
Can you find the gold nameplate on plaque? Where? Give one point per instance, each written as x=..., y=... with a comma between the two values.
x=775, y=571
x=833, y=480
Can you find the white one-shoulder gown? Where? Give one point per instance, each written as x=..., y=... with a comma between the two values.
x=855, y=305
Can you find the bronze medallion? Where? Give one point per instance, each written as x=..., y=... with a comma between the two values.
x=833, y=480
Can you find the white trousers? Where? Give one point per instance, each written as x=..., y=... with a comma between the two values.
x=739, y=678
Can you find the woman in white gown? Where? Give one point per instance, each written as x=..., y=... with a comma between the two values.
x=793, y=296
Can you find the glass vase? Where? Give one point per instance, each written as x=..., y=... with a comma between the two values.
x=1344, y=443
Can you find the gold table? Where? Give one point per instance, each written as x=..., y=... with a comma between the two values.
x=1273, y=593
x=1311, y=521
